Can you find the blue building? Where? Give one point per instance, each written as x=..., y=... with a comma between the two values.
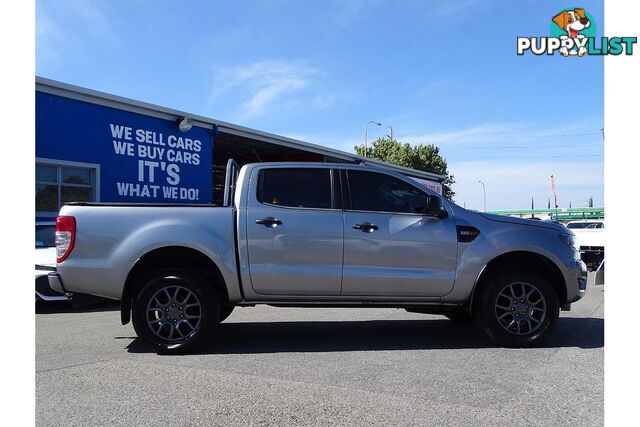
x=96, y=147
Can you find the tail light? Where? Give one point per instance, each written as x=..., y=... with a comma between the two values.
x=65, y=236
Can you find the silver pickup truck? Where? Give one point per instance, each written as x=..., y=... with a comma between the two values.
x=317, y=235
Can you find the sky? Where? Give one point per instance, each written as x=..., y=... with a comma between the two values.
x=438, y=72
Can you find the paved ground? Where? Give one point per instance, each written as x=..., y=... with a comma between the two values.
x=320, y=366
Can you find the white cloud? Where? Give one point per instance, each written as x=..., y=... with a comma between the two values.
x=66, y=25
x=268, y=86
x=347, y=12
x=454, y=11
x=501, y=134
x=511, y=185
x=325, y=99
x=479, y=133
x=516, y=160
x=93, y=17
x=48, y=36
x=345, y=144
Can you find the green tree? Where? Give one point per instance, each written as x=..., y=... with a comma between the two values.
x=421, y=157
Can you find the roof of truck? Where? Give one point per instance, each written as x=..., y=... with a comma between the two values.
x=363, y=165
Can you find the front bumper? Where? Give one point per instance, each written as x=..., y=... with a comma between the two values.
x=576, y=279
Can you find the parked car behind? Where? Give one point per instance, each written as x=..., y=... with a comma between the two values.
x=46, y=261
x=590, y=235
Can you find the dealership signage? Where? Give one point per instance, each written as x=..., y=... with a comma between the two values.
x=160, y=159
x=431, y=185
x=141, y=158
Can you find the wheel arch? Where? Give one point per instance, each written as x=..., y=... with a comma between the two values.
x=532, y=261
x=168, y=257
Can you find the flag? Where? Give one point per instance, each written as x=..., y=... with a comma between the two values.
x=553, y=191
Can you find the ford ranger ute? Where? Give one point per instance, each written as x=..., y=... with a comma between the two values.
x=317, y=235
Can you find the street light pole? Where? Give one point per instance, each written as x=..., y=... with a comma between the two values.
x=484, y=192
x=366, y=128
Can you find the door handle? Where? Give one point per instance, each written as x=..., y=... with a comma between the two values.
x=269, y=222
x=367, y=227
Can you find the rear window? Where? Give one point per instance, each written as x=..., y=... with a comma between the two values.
x=295, y=187
x=582, y=225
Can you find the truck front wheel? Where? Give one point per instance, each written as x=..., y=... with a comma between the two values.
x=517, y=308
x=176, y=311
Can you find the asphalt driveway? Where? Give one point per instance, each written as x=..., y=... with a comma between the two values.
x=319, y=366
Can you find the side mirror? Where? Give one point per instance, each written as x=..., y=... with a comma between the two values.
x=436, y=208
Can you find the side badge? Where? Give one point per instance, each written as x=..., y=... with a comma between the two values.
x=467, y=233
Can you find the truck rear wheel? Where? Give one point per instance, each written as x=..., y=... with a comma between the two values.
x=176, y=311
x=517, y=308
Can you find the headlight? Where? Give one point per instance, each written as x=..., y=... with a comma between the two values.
x=569, y=240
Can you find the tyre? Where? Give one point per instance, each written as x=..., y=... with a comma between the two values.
x=225, y=312
x=459, y=315
x=176, y=311
x=517, y=308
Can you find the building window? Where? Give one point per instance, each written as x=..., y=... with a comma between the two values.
x=57, y=184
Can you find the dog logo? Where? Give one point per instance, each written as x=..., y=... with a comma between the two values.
x=573, y=33
x=572, y=22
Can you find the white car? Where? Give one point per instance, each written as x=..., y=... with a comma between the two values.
x=586, y=224
x=46, y=261
x=590, y=236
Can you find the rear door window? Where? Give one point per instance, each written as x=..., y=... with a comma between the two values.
x=296, y=187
